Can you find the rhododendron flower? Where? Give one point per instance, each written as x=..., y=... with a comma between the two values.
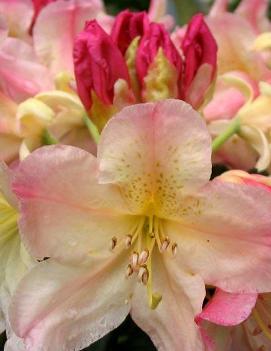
x=49, y=117
x=138, y=229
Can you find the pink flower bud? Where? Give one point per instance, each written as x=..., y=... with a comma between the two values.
x=98, y=64
x=199, y=48
x=156, y=37
x=127, y=26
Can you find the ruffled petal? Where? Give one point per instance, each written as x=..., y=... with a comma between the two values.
x=235, y=37
x=64, y=212
x=255, y=12
x=155, y=151
x=21, y=75
x=223, y=234
x=171, y=325
x=69, y=307
x=56, y=28
x=18, y=14
x=228, y=309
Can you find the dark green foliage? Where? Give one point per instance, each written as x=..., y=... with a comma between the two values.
x=116, y=6
x=126, y=337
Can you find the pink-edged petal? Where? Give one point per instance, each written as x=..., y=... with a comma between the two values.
x=64, y=212
x=235, y=37
x=225, y=236
x=171, y=325
x=233, y=90
x=224, y=104
x=69, y=307
x=219, y=7
x=18, y=14
x=228, y=309
x=21, y=75
x=56, y=28
x=255, y=12
x=150, y=149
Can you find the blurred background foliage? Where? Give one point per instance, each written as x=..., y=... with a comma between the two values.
x=128, y=337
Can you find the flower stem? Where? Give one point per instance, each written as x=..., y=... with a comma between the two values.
x=93, y=130
x=232, y=129
x=48, y=139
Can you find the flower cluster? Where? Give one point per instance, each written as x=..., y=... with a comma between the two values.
x=109, y=130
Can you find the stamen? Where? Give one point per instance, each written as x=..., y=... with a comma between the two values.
x=143, y=257
x=165, y=244
x=128, y=241
x=174, y=248
x=114, y=241
x=129, y=271
x=143, y=275
x=134, y=260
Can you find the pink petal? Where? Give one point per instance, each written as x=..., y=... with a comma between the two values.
x=219, y=6
x=70, y=307
x=18, y=14
x=255, y=12
x=65, y=213
x=224, y=236
x=21, y=76
x=228, y=309
x=235, y=37
x=171, y=325
x=154, y=149
x=56, y=28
